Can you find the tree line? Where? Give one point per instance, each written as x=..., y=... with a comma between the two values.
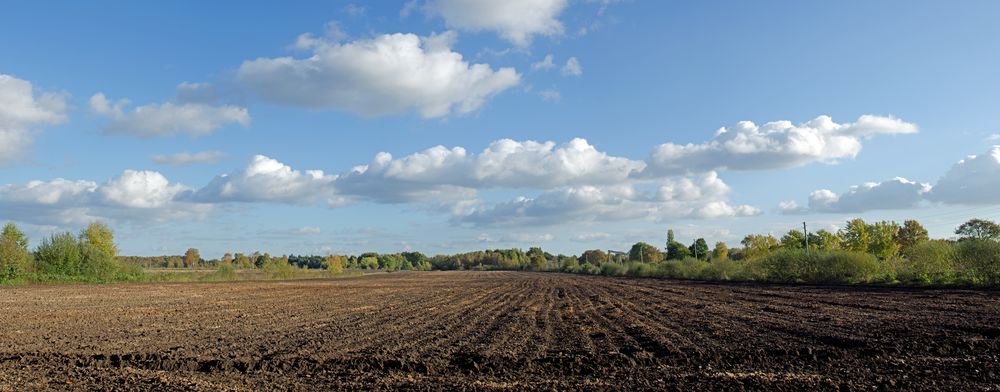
x=860, y=252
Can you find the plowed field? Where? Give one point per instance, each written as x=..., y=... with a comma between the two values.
x=496, y=330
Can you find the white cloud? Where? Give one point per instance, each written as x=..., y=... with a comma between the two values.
x=388, y=74
x=589, y=237
x=195, y=119
x=972, y=181
x=550, y=95
x=896, y=193
x=504, y=164
x=516, y=21
x=308, y=230
x=544, y=65
x=21, y=111
x=268, y=180
x=686, y=198
x=774, y=145
x=188, y=158
x=354, y=10
x=572, y=67
x=143, y=196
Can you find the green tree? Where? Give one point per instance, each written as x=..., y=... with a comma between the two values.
x=979, y=229
x=12, y=233
x=854, y=236
x=14, y=256
x=794, y=239
x=369, y=262
x=911, y=234
x=642, y=251
x=882, y=239
x=757, y=245
x=699, y=249
x=101, y=237
x=59, y=255
x=720, y=252
x=242, y=261
x=594, y=256
x=227, y=259
x=675, y=250
x=824, y=240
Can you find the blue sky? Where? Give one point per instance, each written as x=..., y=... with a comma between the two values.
x=233, y=106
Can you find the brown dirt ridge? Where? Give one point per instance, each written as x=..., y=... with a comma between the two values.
x=496, y=331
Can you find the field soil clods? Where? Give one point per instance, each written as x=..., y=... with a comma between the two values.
x=496, y=331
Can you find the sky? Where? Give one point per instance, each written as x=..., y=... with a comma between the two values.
x=443, y=126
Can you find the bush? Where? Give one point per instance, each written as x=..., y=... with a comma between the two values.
x=795, y=265
x=928, y=262
x=96, y=263
x=59, y=255
x=725, y=269
x=979, y=261
x=589, y=269
x=14, y=260
x=612, y=269
x=570, y=265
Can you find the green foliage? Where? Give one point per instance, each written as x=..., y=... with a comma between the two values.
x=644, y=252
x=369, y=262
x=979, y=229
x=569, y=264
x=675, y=250
x=882, y=239
x=14, y=234
x=979, y=261
x=14, y=257
x=594, y=256
x=589, y=269
x=720, y=252
x=928, y=262
x=794, y=239
x=96, y=263
x=612, y=269
x=335, y=264
x=794, y=265
x=699, y=249
x=758, y=245
x=911, y=234
x=59, y=255
x=100, y=236
x=854, y=236
x=824, y=240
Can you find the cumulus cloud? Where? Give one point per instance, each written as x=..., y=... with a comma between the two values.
x=505, y=163
x=388, y=74
x=686, y=198
x=972, y=181
x=189, y=158
x=774, y=145
x=896, y=193
x=21, y=111
x=516, y=21
x=572, y=67
x=268, y=180
x=144, y=196
x=195, y=119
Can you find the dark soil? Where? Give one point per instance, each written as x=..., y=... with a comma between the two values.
x=496, y=331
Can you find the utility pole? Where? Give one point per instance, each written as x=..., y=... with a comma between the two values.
x=805, y=233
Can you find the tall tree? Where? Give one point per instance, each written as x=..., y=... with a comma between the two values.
x=882, y=239
x=756, y=245
x=854, y=235
x=721, y=251
x=794, y=239
x=100, y=236
x=642, y=251
x=192, y=258
x=594, y=256
x=911, y=234
x=699, y=249
x=979, y=229
x=14, y=234
x=14, y=256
